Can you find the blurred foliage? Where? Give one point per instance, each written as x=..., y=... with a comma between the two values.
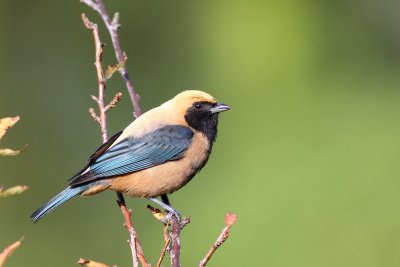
x=90, y=263
x=307, y=157
x=111, y=69
x=11, y=152
x=8, y=251
x=15, y=190
x=5, y=124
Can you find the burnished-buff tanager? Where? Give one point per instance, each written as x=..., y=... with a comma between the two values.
x=157, y=154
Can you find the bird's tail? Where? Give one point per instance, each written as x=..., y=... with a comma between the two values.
x=56, y=201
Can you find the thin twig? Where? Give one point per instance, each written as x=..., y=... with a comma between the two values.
x=185, y=222
x=94, y=115
x=112, y=27
x=114, y=101
x=134, y=241
x=100, y=77
x=101, y=118
x=230, y=219
x=167, y=241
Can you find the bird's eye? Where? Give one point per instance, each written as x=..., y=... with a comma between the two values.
x=198, y=106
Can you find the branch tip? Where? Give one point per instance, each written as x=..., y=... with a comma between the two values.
x=230, y=219
x=115, y=21
x=94, y=115
x=114, y=101
x=167, y=241
x=88, y=24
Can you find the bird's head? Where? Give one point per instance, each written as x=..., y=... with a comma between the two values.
x=200, y=111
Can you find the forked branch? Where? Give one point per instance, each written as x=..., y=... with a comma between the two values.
x=112, y=27
x=134, y=243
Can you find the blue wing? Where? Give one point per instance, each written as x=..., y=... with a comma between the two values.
x=135, y=154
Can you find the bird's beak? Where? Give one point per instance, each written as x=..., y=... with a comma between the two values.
x=220, y=107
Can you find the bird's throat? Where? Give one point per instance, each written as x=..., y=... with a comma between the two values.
x=204, y=123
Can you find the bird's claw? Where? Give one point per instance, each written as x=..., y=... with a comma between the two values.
x=170, y=211
x=169, y=215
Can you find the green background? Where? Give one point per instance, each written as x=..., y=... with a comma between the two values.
x=308, y=157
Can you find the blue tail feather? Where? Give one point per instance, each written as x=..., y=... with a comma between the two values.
x=56, y=201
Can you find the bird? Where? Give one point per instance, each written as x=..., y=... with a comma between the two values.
x=157, y=154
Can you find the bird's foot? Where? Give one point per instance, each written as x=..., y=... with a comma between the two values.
x=169, y=215
x=170, y=211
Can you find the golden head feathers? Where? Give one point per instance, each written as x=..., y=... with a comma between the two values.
x=191, y=96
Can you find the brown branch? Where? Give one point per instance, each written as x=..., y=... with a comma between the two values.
x=230, y=219
x=100, y=76
x=176, y=228
x=175, y=251
x=112, y=26
x=134, y=242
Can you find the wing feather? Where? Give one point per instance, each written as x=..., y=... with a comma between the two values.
x=97, y=154
x=135, y=154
